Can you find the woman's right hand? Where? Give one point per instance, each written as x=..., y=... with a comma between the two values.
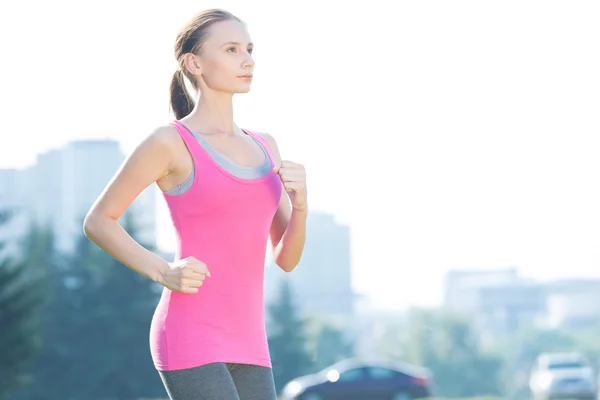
x=185, y=275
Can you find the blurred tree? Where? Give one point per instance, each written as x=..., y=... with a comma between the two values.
x=327, y=343
x=287, y=339
x=448, y=347
x=96, y=329
x=121, y=303
x=519, y=351
x=20, y=296
x=388, y=341
x=587, y=343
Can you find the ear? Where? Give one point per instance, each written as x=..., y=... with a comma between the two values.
x=192, y=64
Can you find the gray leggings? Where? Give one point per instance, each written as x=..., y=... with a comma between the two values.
x=220, y=381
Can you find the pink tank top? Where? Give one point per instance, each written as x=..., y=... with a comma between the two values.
x=224, y=221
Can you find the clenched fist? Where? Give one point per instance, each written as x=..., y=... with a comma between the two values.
x=185, y=275
x=293, y=177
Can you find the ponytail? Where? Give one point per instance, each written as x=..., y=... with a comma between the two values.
x=181, y=102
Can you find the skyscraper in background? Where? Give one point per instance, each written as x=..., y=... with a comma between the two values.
x=58, y=190
x=322, y=281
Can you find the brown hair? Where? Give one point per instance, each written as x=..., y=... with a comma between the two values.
x=189, y=40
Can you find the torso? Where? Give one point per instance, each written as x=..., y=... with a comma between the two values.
x=240, y=149
x=222, y=217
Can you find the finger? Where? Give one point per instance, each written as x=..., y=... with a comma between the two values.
x=194, y=270
x=198, y=267
x=287, y=177
x=296, y=168
x=285, y=166
x=194, y=275
x=292, y=176
x=287, y=171
x=190, y=290
x=186, y=282
x=292, y=186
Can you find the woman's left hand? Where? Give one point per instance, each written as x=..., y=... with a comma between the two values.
x=293, y=177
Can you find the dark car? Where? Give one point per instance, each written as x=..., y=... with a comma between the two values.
x=359, y=380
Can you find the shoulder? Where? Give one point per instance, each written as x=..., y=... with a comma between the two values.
x=164, y=135
x=162, y=144
x=163, y=138
x=272, y=143
x=267, y=136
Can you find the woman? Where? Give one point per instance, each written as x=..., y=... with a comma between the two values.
x=227, y=191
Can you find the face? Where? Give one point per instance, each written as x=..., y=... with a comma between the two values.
x=225, y=63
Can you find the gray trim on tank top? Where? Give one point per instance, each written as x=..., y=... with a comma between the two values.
x=240, y=171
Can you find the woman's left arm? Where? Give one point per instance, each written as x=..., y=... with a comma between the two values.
x=288, y=229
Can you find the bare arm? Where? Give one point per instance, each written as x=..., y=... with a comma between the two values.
x=150, y=161
x=288, y=229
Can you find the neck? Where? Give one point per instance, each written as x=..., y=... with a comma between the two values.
x=213, y=113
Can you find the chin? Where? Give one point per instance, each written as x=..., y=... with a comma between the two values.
x=243, y=89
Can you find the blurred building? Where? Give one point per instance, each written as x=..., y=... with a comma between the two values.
x=58, y=190
x=462, y=288
x=322, y=281
x=498, y=302
x=573, y=303
x=504, y=309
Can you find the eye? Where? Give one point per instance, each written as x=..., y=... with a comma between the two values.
x=231, y=48
x=250, y=50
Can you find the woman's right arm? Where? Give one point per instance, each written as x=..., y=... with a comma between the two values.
x=150, y=161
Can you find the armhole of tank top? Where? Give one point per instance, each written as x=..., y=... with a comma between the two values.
x=264, y=143
x=186, y=185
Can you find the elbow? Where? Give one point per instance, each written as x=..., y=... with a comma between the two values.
x=90, y=225
x=287, y=266
x=287, y=259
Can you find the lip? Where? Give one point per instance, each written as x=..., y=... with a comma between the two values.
x=245, y=76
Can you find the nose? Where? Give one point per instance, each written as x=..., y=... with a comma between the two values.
x=248, y=61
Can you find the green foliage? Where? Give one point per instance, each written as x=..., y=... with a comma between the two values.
x=96, y=323
x=447, y=346
x=20, y=296
x=327, y=343
x=519, y=351
x=287, y=339
x=465, y=398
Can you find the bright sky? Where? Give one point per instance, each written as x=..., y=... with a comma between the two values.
x=447, y=134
